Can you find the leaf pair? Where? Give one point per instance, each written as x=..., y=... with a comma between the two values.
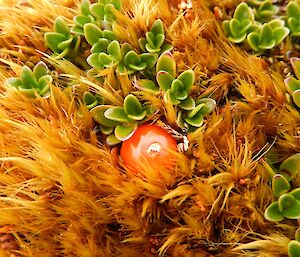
x=241, y=24
x=32, y=83
x=91, y=100
x=293, y=18
x=266, y=10
x=293, y=84
x=268, y=36
x=154, y=41
x=103, y=10
x=176, y=88
x=118, y=122
x=61, y=41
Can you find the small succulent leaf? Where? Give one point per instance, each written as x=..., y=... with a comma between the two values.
x=150, y=38
x=276, y=23
x=239, y=39
x=13, y=82
x=164, y=80
x=166, y=63
x=291, y=165
x=133, y=107
x=89, y=100
x=244, y=26
x=114, y=50
x=226, y=27
x=178, y=90
x=280, y=34
x=149, y=59
x=289, y=206
x=196, y=110
x=138, y=67
x=30, y=92
x=272, y=213
x=43, y=84
x=40, y=70
x=98, y=115
x=169, y=95
x=124, y=132
x=64, y=44
x=81, y=20
x=196, y=120
x=187, y=78
x=100, y=46
x=76, y=43
x=77, y=30
x=296, y=97
x=243, y=12
x=188, y=104
x=97, y=10
x=132, y=58
x=293, y=9
x=157, y=27
x=166, y=48
x=265, y=35
x=92, y=33
x=27, y=78
x=296, y=193
x=294, y=248
x=253, y=41
x=108, y=34
x=292, y=84
x=280, y=185
x=159, y=40
x=85, y=7
x=106, y=130
x=235, y=27
x=296, y=66
x=125, y=48
x=117, y=113
x=53, y=39
x=294, y=25
x=297, y=235
x=210, y=105
x=152, y=49
x=117, y=4
x=60, y=26
x=142, y=44
x=93, y=60
x=148, y=84
x=111, y=140
x=106, y=60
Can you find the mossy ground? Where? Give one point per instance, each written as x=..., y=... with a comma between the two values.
x=65, y=193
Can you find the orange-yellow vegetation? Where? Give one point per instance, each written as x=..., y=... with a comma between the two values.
x=63, y=192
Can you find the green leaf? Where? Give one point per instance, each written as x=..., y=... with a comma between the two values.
x=65, y=44
x=132, y=58
x=114, y=50
x=196, y=120
x=98, y=115
x=106, y=60
x=178, y=90
x=253, y=41
x=289, y=206
x=280, y=34
x=92, y=33
x=138, y=67
x=152, y=49
x=294, y=26
x=296, y=97
x=149, y=59
x=188, y=104
x=196, y=110
x=40, y=70
x=280, y=185
x=27, y=78
x=85, y=7
x=97, y=10
x=187, y=78
x=210, y=105
x=166, y=63
x=53, y=39
x=124, y=132
x=60, y=26
x=265, y=37
x=164, y=80
x=150, y=38
x=272, y=213
x=117, y=113
x=93, y=60
x=296, y=66
x=296, y=193
x=100, y=46
x=243, y=12
x=148, y=85
x=117, y=4
x=142, y=44
x=235, y=28
x=111, y=140
x=133, y=108
x=106, y=130
x=89, y=100
x=291, y=165
x=226, y=27
x=13, y=82
x=157, y=27
x=81, y=20
x=77, y=30
x=166, y=48
x=293, y=9
x=30, y=92
x=297, y=235
x=294, y=249
x=159, y=40
x=292, y=84
x=108, y=34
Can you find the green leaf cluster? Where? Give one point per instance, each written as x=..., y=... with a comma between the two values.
x=265, y=11
x=294, y=245
x=103, y=10
x=293, y=83
x=288, y=202
x=154, y=40
x=61, y=41
x=32, y=83
x=119, y=122
x=268, y=36
x=293, y=17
